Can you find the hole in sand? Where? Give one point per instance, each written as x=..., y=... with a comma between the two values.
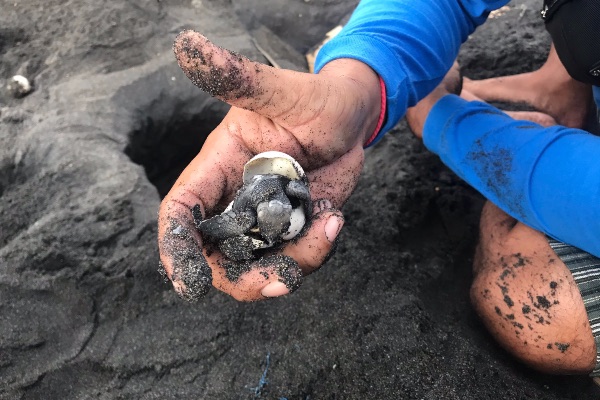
x=164, y=143
x=7, y=176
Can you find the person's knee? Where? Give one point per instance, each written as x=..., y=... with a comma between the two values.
x=532, y=306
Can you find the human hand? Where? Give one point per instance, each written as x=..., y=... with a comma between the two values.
x=320, y=120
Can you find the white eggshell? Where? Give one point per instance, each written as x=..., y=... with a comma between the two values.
x=297, y=220
x=273, y=162
x=19, y=85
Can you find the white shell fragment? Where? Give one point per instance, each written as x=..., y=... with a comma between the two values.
x=297, y=221
x=273, y=162
x=19, y=86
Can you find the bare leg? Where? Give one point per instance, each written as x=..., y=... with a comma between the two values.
x=550, y=90
x=528, y=299
x=524, y=293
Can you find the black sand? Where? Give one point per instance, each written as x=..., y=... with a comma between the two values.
x=86, y=156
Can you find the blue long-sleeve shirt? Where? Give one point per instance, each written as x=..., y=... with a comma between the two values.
x=411, y=44
x=548, y=178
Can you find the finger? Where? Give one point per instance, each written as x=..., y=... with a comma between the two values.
x=181, y=252
x=271, y=276
x=315, y=247
x=243, y=83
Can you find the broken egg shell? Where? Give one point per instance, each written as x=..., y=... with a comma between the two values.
x=19, y=86
x=297, y=220
x=273, y=162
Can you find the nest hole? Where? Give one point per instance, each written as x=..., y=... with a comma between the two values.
x=165, y=143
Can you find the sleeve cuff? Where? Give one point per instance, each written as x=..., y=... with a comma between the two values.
x=438, y=120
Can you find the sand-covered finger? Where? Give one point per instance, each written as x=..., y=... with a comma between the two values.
x=270, y=276
x=237, y=80
x=182, y=259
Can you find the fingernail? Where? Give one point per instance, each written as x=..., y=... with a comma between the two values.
x=333, y=226
x=275, y=289
x=321, y=205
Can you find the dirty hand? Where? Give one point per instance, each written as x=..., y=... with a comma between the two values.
x=320, y=120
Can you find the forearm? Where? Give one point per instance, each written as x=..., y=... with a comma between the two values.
x=548, y=178
x=410, y=44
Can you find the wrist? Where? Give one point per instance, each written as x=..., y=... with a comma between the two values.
x=417, y=115
x=362, y=89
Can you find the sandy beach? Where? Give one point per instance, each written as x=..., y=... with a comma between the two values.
x=86, y=157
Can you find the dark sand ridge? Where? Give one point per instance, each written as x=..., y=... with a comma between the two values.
x=83, y=312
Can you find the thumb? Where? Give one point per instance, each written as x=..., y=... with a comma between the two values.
x=239, y=81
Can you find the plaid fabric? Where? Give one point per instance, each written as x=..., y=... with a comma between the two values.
x=585, y=269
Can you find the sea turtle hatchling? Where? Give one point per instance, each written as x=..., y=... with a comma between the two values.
x=270, y=208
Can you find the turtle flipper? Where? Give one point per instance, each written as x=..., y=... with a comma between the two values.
x=298, y=190
x=228, y=224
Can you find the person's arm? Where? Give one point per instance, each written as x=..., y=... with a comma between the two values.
x=547, y=178
x=411, y=44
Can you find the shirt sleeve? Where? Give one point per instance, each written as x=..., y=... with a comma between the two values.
x=411, y=44
x=548, y=178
